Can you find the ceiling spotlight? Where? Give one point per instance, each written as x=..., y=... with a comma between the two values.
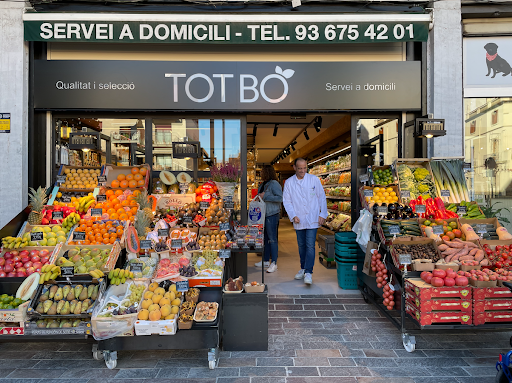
x=293, y=145
x=254, y=129
x=275, y=130
x=306, y=135
x=318, y=123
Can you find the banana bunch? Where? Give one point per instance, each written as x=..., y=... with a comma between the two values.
x=119, y=276
x=14, y=242
x=85, y=203
x=97, y=273
x=49, y=272
x=71, y=220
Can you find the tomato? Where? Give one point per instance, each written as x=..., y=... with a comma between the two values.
x=498, y=248
x=499, y=265
x=488, y=251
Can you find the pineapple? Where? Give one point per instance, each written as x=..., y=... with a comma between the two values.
x=144, y=203
x=38, y=199
x=141, y=224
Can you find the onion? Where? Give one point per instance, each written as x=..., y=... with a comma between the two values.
x=374, y=268
x=378, y=256
x=386, y=302
x=389, y=307
x=379, y=285
x=392, y=303
x=379, y=280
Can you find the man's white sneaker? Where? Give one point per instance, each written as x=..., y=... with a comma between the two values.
x=300, y=274
x=272, y=267
x=258, y=264
x=308, y=279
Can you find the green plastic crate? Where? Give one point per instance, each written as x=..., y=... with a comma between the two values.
x=347, y=275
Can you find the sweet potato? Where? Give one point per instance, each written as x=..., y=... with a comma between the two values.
x=479, y=256
x=466, y=258
x=452, y=244
x=443, y=247
x=473, y=251
x=471, y=245
x=484, y=262
x=450, y=251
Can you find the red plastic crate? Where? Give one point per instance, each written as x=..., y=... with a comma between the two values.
x=432, y=305
x=425, y=291
x=426, y=319
x=492, y=317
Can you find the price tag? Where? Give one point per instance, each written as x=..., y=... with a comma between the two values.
x=66, y=198
x=437, y=230
x=203, y=205
x=229, y=205
x=136, y=267
x=163, y=232
x=183, y=188
x=445, y=193
x=420, y=209
x=145, y=244
x=405, y=194
x=101, y=198
x=251, y=241
x=57, y=215
x=61, y=179
x=382, y=210
x=102, y=179
x=253, y=231
x=481, y=228
x=467, y=165
x=79, y=236
x=368, y=192
x=96, y=212
x=363, y=178
x=187, y=220
x=182, y=286
x=240, y=241
x=224, y=226
x=224, y=253
x=67, y=271
x=461, y=210
x=37, y=236
x=227, y=198
x=394, y=230
x=404, y=259
x=176, y=244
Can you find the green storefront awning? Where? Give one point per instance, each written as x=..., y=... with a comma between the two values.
x=226, y=29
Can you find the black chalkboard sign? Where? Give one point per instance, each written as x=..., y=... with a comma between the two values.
x=66, y=198
x=224, y=253
x=420, y=209
x=61, y=179
x=437, y=230
x=96, y=212
x=102, y=179
x=79, y=236
x=187, y=219
x=461, y=210
x=67, y=271
x=37, y=236
x=145, y=244
x=176, y=243
x=182, y=286
x=445, y=193
x=204, y=205
x=224, y=226
x=136, y=267
x=57, y=215
x=163, y=232
x=229, y=205
x=101, y=198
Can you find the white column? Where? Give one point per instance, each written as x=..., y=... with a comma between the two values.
x=13, y=100
x=444, y=76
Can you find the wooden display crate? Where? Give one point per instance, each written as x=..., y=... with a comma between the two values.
x=413, y=163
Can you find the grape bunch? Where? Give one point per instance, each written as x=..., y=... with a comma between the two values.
x=136, y=293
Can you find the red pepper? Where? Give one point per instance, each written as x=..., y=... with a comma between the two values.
x=451, y=214
x=421, y=201
x=412, y=204
x=439, y=203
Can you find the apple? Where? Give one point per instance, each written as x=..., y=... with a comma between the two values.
x=24, y=253
x=43, y=253
x=2, y=261
x=2, y=274
x=37, y=265
x=45, y=260
x=8, y=255
x=21, y=274
x=9, y=262
x=35, y=258
x=35, y=252
x=16, y=258
x=28, y=264
x=31, y=271
x=14, y=253
x=11, y=274
x=17, y=265
x=25, y=259
x=21, y=269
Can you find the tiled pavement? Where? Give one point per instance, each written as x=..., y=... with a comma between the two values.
x=312, y=339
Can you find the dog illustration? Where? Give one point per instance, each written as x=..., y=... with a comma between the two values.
x=495, y=62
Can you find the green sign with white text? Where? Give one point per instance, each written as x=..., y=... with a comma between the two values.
x=226, y=33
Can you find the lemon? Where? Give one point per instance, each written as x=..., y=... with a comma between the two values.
x=376, y=189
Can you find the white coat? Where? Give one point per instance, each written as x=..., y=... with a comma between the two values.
x=304, y=199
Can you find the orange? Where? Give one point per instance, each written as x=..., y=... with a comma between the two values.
x=114, y=202
x=119, y=232
x=82, y=222
x=140, y=183
x=133, y=210
x=113, y=235
x=133, y=183
x=120, y=211
x=82, y=226
x=129, y=177
x=106, y=235
x=108, y=225
x=124, y=184
x=138, y=177
x=103, y=231
x=107, y=205
x=94, y=226
x=118, y=192
x=109, y=193
x=132, y=219
x=114, y=216
x=115, y=184
x=72, y=243
x=112, y=240
x=121, y=177
x=142, y=171
x=106, y=241
x=135, y=170
x=110, y=211
x=96, y=231
x=136, y=193
x=89, y=223
x=86, y=242
x=99, y=205
x=123, y=217
x=117, y=206
x=125, y=203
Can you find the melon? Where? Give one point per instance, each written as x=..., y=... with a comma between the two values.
x=28, y=287
x=191, y=188
x=183, y=178
x=167, y=177
x=174, y=189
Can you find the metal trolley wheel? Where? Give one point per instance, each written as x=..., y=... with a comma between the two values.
x=409, y=342
x=110, y=359
x=96, y=354
x=213, y=358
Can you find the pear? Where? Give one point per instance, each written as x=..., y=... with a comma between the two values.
x=53, y=309
x=41, y=323
x=61, y=261
x=53, y=324
x=85, y=252
x=78, y=290
x=62, y=323
x=94, y=294
x=76, y=258
x=46, y=306
x=77, y=322
x=40, y=308
x=90, y=290
x=71, y=295
x=81, y=270
x=72, y=253
x=85, y=306
x=66, y=290
x=66, y=324
x=65, y=310
x=72, y=306
x=83, y=295
x=79, y=263
x=95, y=252
x=60, y=305
x=53, y=290
x=58, y=295
x=78, y=308
x=44, y=297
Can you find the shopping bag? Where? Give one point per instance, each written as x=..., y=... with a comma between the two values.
x=256, y=212
x=363, y=228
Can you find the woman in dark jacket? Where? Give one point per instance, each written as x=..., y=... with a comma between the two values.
x=271, y=193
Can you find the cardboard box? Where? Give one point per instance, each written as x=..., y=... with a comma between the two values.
x=363, y=198
x=83, y=329
x=413, y=163
x=16, y=329
x=492, y=317
x=426, y=319
x=424, y=291
x=492, y=305
x=115, y=250
x=385, y=167
x=455, y=267
x=62, y=172
x=426, y=306
x=480, y=293
x=482, y=283
x=446, y=204
x=493, y=243
x=173, y=201
x=367, y=268
x=160, y=327
x=448, y=220
x=490, y=221
x=18, y=314
x=112, y=171
x=411, y=241
x=469, y=268
x=423, y=265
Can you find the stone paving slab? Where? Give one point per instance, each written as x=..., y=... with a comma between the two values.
x=312, y=339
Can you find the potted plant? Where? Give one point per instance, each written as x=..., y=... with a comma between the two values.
x=226, y=176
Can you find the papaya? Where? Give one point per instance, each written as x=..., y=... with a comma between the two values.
x=132, y=240
x=153, y=198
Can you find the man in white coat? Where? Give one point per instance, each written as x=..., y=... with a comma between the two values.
x=305, y=204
